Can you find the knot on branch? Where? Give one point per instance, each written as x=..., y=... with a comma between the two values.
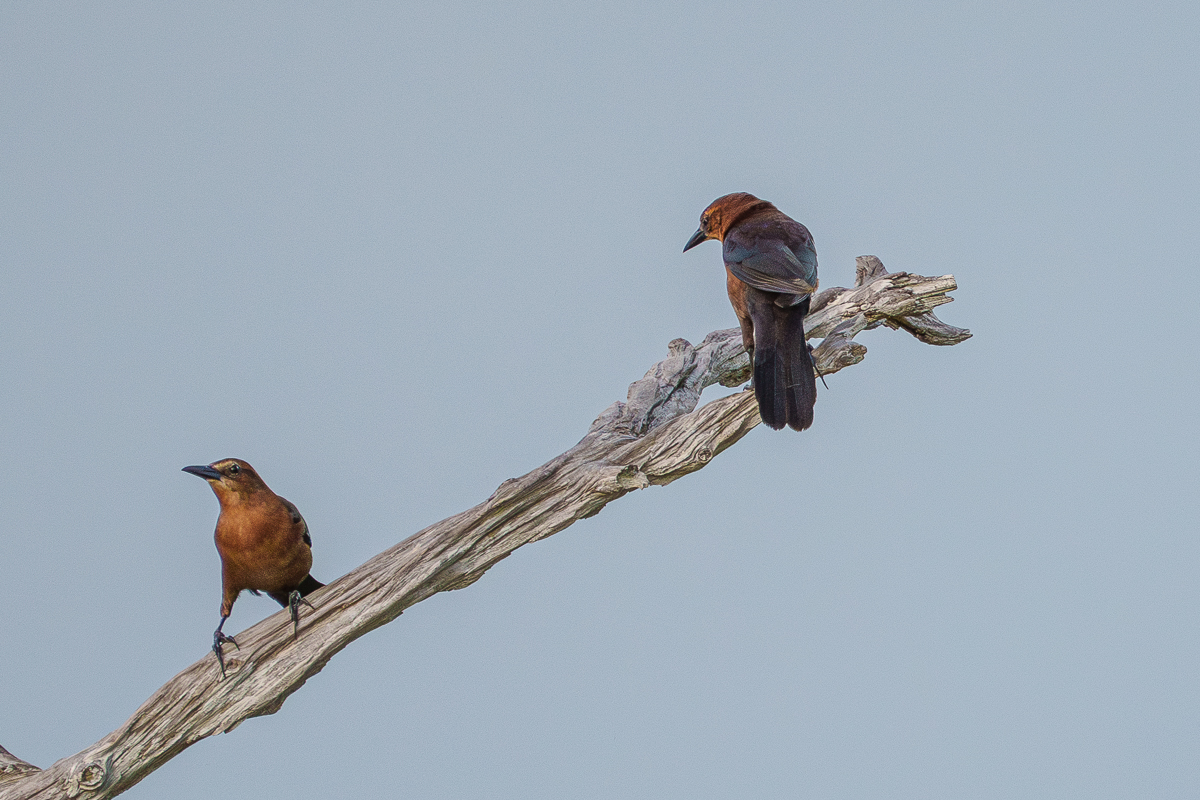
x=613, y=480
x=608, y=482
x=90, y=776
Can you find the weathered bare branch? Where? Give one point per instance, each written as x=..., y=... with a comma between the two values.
x=656, y=436
x=13, y=767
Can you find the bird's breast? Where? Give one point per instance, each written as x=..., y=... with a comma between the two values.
x=262, y=548
x=737, y=292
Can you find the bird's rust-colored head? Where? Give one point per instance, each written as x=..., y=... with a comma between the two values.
x=231, y=479
x=722, y=214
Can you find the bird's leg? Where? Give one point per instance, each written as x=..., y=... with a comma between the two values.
x=816, y=369
x=294, y=601
x=220, y=639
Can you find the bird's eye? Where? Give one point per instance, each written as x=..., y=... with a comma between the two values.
x=234, y=469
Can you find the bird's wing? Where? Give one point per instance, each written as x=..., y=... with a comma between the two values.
x=772, y=257
x=296, y=517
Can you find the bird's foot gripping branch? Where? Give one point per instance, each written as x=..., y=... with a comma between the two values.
x=657, y=435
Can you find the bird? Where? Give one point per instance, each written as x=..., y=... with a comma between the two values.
x=263, y=543
x=771, y=276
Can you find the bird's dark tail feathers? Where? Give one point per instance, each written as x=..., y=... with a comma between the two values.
x=785, y=382
x=306, y=587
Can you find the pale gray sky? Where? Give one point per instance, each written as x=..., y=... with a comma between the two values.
x=394, y=254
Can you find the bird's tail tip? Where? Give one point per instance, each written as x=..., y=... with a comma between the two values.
x=784, y=374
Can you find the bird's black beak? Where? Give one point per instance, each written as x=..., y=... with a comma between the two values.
x=208, y=473
x=697, y=237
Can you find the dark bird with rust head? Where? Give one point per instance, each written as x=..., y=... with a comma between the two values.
x=263, y=542
x=771, y=276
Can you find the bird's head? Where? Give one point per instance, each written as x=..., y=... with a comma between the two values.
x=230, y=478
x=721, y=214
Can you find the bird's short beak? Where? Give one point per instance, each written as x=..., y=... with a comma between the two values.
x=208, y=473
x=697, y=237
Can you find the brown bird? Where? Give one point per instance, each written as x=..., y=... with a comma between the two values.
x=263, y=542
x=771, y=275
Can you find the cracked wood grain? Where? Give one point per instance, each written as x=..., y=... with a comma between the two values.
x=656, y=436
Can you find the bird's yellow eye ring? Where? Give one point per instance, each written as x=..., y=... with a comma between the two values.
x=234, y=469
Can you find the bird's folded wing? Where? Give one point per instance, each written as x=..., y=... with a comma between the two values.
x=295, y=512
x=773, y=266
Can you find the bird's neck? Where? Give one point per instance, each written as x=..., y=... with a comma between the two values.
x=230, y=499
x=741, y=213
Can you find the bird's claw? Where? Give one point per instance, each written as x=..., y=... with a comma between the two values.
x=295, y=599
x=218, y=640
x=813, y=359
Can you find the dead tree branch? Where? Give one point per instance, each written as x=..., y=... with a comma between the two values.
x=656, y=436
